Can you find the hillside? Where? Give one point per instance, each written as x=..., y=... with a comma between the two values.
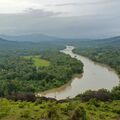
x=30, y=38
x=7, y=43
x=20, y=47
x=114, y=41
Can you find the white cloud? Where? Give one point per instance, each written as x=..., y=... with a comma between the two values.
x=16, y=6
x=72, y=7
x=40, y=13
x=93, y=17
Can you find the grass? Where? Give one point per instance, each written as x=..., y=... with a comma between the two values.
x=38, y=62
x=10, y=110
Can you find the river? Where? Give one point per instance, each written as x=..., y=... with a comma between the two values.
x=95, y=76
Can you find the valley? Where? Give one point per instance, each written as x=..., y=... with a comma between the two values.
x=34, y=75
x=95, y=76
x=59, y=60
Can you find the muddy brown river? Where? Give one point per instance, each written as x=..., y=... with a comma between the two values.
x=95, y=76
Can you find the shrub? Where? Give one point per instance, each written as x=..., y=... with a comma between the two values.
x=25, y=114
x=116, y=93
x=101, y=94
x=79, y=114
x=23, y=96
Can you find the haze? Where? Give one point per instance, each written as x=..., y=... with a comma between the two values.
x=65, y=18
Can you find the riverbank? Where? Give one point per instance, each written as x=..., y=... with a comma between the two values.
x=95, y=77
x=98, y=58
x=58, y=89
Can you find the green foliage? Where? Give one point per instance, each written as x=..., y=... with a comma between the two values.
x=106, y=51
x=79, y=113
x=116, y=93
x=106, y=55
x=102, y=94
x=51, y=110
x=18, y=74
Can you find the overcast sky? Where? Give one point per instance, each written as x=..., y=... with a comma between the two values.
x=63, y=18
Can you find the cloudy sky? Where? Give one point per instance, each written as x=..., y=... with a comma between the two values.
x=63, y=18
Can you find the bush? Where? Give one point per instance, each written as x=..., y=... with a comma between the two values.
x=101, y=94
x=23, y=97
x=25, y=114
x=116, y=93
x=79, y=114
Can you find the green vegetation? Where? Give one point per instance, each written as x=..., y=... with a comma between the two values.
x=18, y=74
x=106, y=51
x=21, y=75
x=74, y=110
x=108, y=56
x=38, y=62
x=94, y=108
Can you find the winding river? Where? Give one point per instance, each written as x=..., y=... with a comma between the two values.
x=95, y=76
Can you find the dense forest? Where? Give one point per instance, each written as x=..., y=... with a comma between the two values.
x=18, y=74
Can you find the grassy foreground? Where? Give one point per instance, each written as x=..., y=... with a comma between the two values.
x=53, y=110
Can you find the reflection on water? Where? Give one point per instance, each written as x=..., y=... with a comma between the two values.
x=95, y=76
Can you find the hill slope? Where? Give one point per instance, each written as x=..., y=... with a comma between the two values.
x=30, y=38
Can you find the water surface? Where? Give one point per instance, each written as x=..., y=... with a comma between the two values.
x=95, y=76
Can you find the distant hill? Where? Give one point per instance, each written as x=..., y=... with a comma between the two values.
x=5, y=42
x=6, y=45
x=30, y=38
x=27, y=39
x=106, y=42
x=114, y=41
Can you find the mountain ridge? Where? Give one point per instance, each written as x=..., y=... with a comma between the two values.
x=30, y=38
x=43, y=38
